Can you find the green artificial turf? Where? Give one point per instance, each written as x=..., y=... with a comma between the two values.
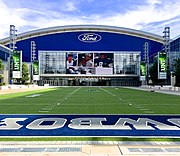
x=85, y=139
x=89, y=100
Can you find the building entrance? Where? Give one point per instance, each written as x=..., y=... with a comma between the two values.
x=91, y=81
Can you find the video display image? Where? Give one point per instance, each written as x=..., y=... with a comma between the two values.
x=85, y=60
x=71, y=63
x=103, y=60
x=89, y=63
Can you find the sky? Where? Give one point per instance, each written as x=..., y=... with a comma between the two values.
x=146, y=15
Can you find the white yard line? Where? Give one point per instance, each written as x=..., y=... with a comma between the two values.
x=19, y=104
x=139, y=107
x=43, y=111
x=107, y=91
x=70, y=94
x=143, y=109
x=119, y=98
x=59, y=103
x=150, y=112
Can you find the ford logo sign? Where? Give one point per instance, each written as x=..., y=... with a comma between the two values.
x=89, y=37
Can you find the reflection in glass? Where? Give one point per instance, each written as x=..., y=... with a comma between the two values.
x=96, y=63
x=52, y=62
x=126, y=63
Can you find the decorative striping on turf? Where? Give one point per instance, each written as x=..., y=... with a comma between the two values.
x=88, y=100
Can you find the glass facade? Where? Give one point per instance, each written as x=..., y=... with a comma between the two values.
x=172, y=57
x=89, y=63
x=174, y=52
x=127, y=63
x=4, y=53
x=175, y=45
x=53, y=62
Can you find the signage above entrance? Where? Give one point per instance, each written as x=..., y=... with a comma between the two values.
x=89, y=37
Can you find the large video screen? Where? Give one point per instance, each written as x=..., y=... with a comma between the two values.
x=89, y=63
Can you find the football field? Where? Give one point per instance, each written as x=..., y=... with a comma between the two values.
x=89, y=100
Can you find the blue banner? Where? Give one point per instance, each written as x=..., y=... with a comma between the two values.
x=90, y=125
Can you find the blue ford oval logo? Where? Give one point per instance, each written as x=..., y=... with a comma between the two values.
x=89, y=37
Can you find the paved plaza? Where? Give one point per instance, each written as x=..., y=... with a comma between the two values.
x=89, y=148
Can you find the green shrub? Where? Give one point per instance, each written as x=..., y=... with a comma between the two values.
x=27, y=83
x=2, y=84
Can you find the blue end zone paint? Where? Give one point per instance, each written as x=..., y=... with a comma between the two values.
x=110, y=120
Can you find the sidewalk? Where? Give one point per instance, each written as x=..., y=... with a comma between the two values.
x=156, y=89
x=89, y=148
x=22, y=90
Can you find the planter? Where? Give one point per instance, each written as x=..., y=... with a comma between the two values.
x=4, y=88
x=177, y=88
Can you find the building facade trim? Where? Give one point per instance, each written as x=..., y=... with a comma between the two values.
x=79, y=28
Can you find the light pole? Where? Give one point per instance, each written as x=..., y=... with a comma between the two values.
x=146, y=59
x=12, y=47
x=166, y=48
x=33, y=57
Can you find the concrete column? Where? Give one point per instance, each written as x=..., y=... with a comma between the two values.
x=173, y=79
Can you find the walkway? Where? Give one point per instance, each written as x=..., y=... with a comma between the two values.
x=89, y=148
x=164, y=90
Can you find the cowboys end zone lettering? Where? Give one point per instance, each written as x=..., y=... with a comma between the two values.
x=90, y=125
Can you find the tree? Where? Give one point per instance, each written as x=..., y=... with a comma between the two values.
x=1, y=68
x=25, y=73
x=177, y=71
x=153, y=71
x=1, y=65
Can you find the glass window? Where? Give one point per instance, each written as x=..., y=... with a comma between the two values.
x=52, y=62
x=55, y=62
x=126, y=63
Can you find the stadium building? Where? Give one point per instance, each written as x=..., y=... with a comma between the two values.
x=86, y=54
x=175, y=44
x=174, y=51
x=4, y=54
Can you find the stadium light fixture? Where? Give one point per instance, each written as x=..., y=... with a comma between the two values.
x=146, y=59
x=33, y=57
x=166, y=45
x=12, y=47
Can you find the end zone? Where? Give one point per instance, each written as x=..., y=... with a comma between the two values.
x=90, y=125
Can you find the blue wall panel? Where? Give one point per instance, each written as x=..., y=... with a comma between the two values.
x=69, y=42
x=3, y=55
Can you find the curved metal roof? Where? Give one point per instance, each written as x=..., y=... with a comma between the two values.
x=4, y=48
x=175, y=38
x=77, y=28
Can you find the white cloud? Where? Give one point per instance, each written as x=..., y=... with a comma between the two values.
x=152, y=16
x=10, y=16
x=152, y=2
x=142, y=16
x=70, y=6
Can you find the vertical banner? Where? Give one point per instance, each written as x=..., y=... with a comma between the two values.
x=143, y=71
x=162, y=65
x=17, y=64
x=35, y=67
